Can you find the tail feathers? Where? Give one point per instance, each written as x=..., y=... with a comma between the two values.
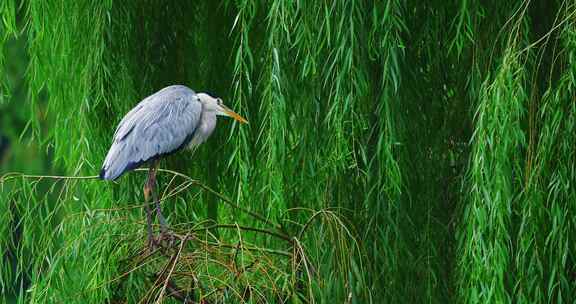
x=114, y=172
x=102, y=174
x=114, y=162
x=118, y=161
x=110, y=173
x=107, y=174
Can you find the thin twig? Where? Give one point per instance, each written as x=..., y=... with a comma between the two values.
x=226, y=200
x=175, y=260
x=234, y=226
x=222, y=197
x=14, y=175
x=191, y=237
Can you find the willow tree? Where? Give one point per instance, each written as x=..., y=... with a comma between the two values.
x=398, y=152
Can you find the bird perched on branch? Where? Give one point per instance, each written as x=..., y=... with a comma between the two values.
x=163, y=123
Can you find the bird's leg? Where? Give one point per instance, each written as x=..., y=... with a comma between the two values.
x=147, y=191
x=161, y=219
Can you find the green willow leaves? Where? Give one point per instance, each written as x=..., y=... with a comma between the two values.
x=397, y=151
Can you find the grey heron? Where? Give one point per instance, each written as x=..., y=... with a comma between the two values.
x=161, y=124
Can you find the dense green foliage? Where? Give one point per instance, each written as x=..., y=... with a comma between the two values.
x=397, y=152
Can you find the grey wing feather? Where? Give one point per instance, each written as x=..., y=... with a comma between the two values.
x=160, y=124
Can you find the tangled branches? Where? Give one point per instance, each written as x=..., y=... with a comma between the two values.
x=261, y=262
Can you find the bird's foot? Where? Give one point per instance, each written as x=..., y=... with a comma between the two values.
x=152, y=242
x=166, y=238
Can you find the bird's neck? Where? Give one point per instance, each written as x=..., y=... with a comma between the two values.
x=204, y=129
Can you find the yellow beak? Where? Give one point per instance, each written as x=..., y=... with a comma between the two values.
x=234, y=115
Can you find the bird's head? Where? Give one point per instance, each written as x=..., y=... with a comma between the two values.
x=212, y=104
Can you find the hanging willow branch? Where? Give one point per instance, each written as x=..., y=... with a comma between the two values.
x=441, y=134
